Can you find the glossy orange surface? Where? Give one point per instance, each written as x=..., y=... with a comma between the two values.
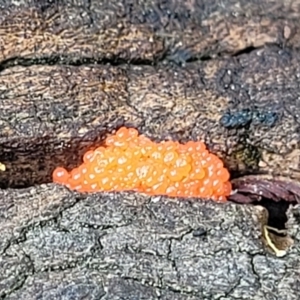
x=129, y=161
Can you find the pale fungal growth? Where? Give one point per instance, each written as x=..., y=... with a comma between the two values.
x=2, y=167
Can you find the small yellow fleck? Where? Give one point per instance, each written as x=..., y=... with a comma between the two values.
x=278, y=252
x=2, y=167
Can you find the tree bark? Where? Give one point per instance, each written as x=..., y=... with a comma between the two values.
x=70, y=74
x=58, y=244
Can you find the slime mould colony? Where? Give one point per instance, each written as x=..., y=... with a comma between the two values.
x=245, y=117
x=130, y=161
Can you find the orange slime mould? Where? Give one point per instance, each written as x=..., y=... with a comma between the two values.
x=129, y=161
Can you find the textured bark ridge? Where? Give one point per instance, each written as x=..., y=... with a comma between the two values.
x=51, y=114
x=144, y=31
x=245, y=106
x=57, y=244
x=225, y=72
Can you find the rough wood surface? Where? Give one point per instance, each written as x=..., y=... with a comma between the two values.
x=59, y=245
x=51, y=114
x=73, y=71
x=144, y=30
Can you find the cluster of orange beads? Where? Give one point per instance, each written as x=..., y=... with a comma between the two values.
x=130, y=161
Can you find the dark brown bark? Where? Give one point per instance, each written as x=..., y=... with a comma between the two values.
x=52, y=114
x=57, y=244
x=225, y=72
x=144, y=30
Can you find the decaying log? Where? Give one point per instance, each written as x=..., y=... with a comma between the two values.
x=57, y=244
x=71, y=72
x=52, y=114
x=144, y=31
